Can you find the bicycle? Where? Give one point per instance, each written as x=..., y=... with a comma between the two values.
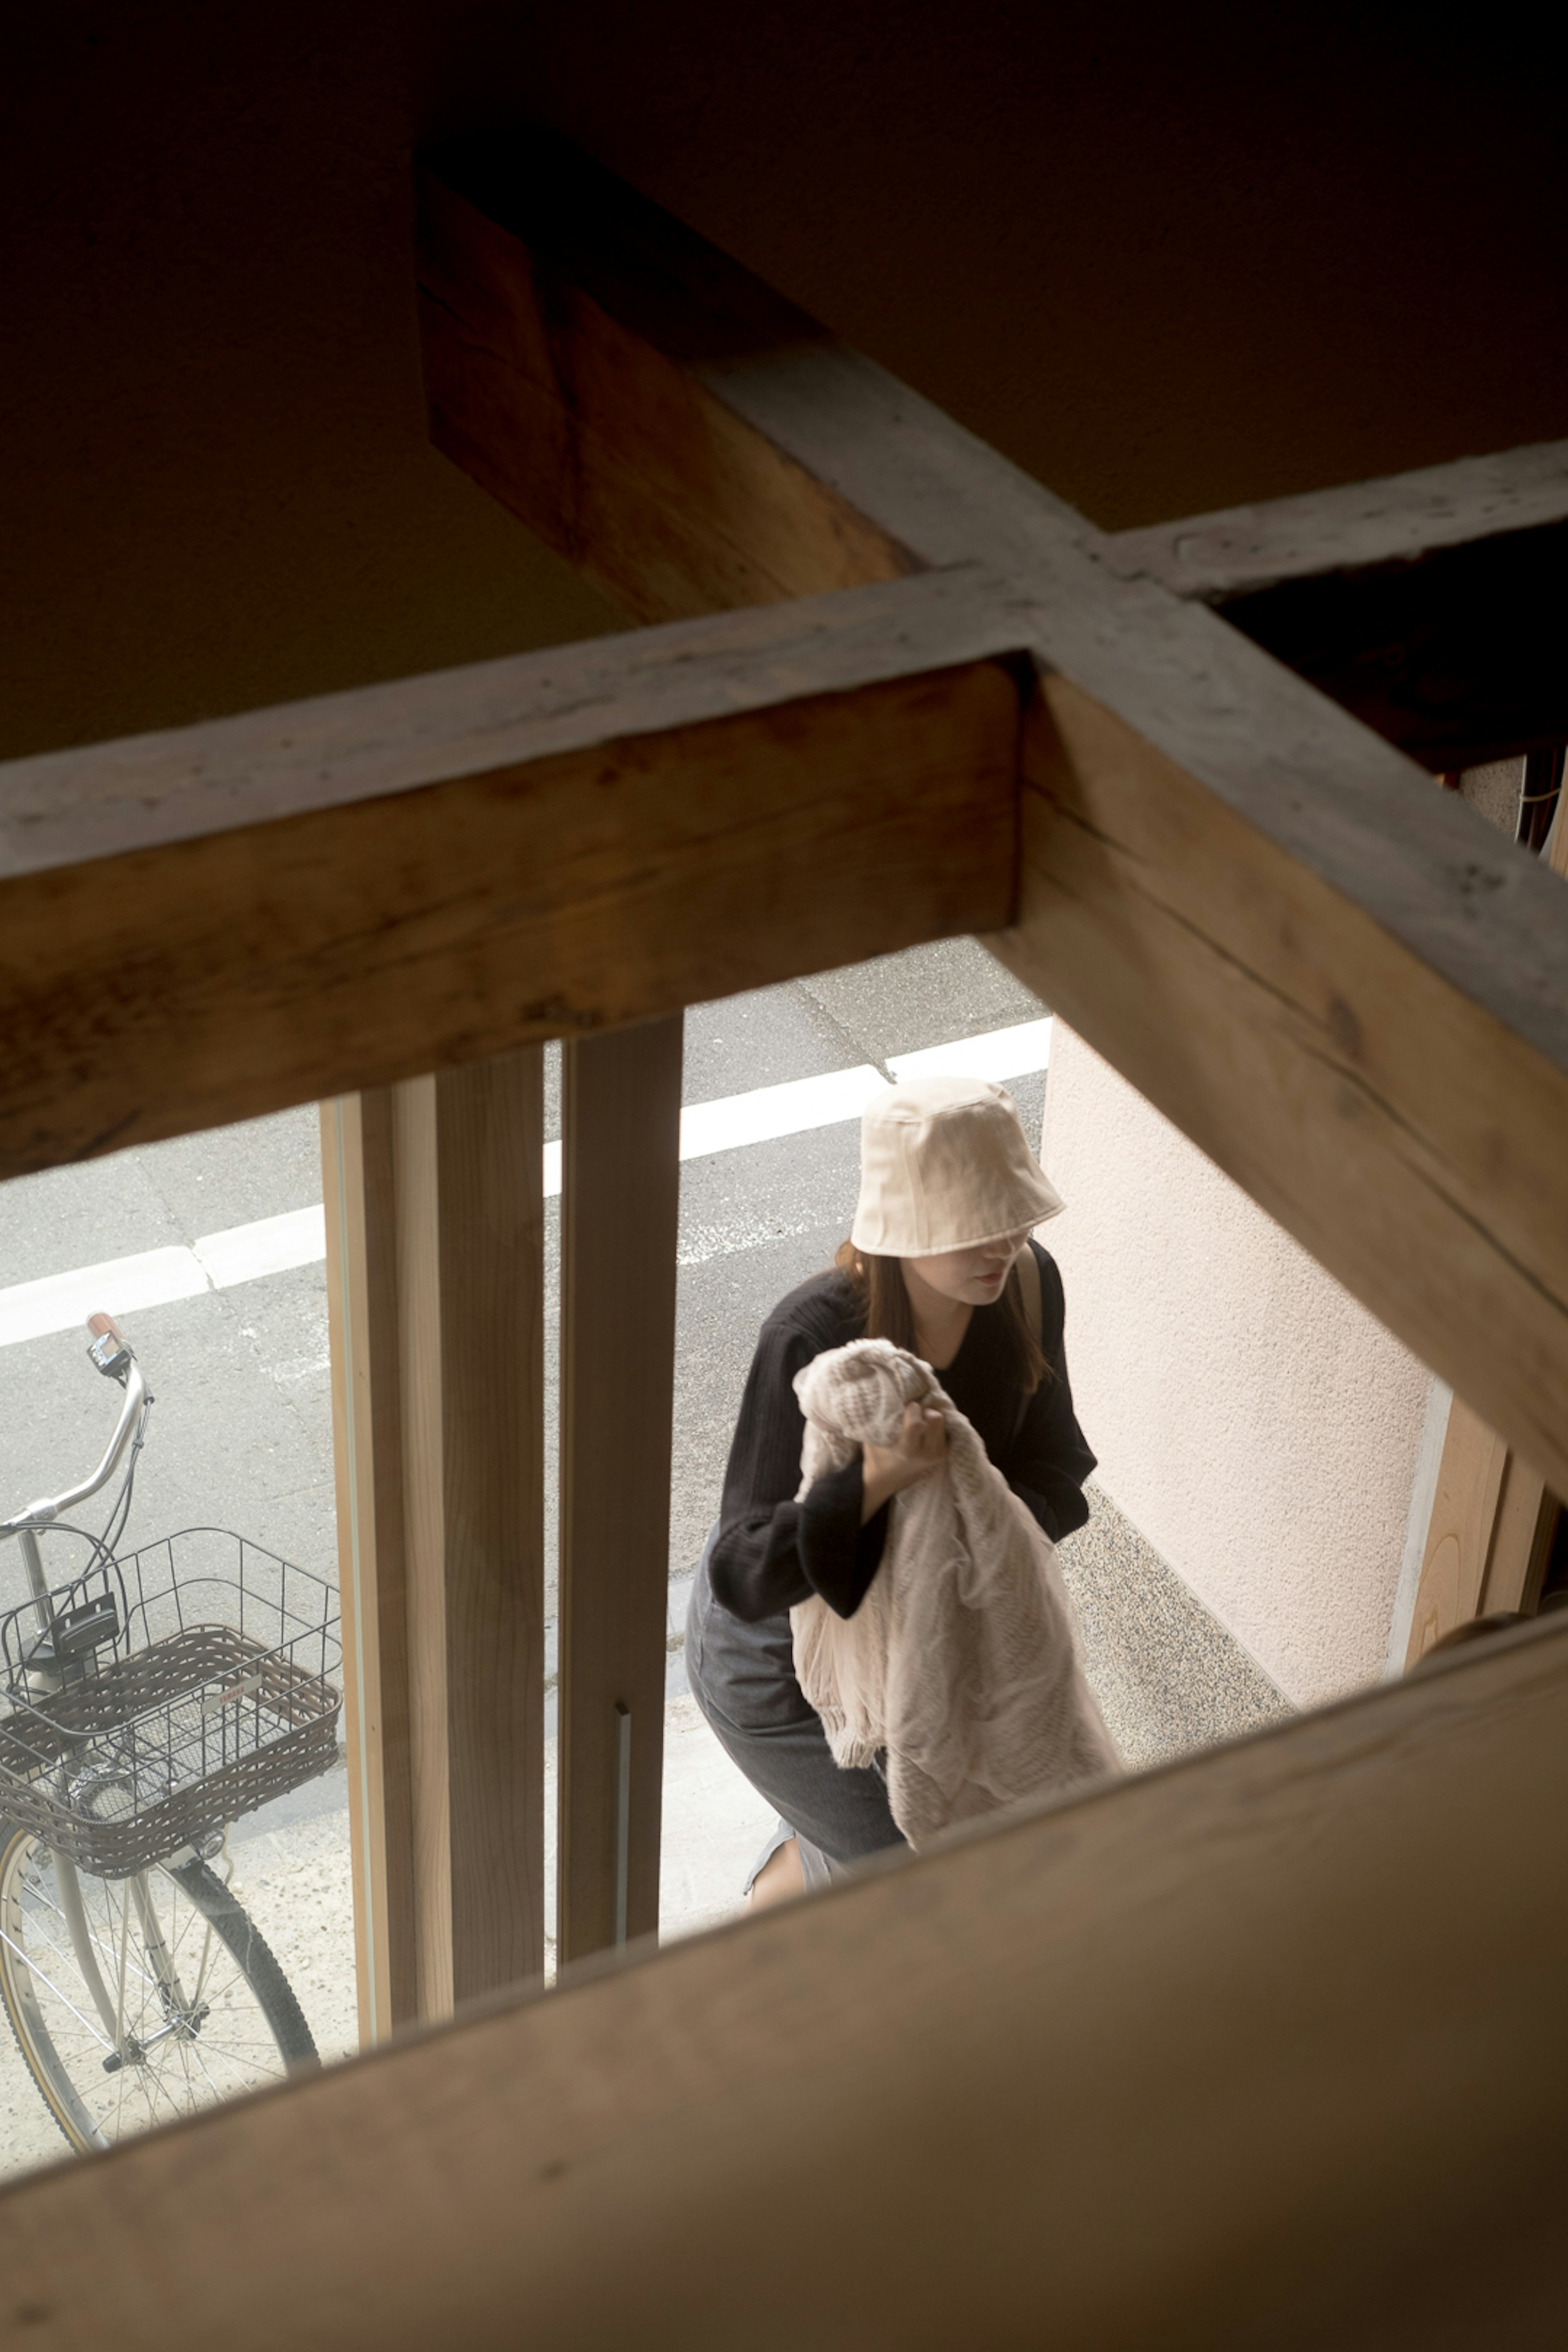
x=146, y=1703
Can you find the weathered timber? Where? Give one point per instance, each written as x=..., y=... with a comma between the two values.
x=1219, y=1998
x=1402, y=518
x=1430, y=604
x=620, y=1201
x=281, y=907
x=1388, y=1121
x=1296, y=949
x=565, y=371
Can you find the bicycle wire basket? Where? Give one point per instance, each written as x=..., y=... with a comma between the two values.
x=160, y=1695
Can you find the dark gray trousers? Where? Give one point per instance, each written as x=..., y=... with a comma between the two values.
x=742, y=1677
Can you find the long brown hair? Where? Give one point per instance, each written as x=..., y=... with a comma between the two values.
x=883, y=1303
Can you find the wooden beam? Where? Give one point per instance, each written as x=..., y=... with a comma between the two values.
x=300, y=903
x=1341, y=988
x=1400, y=520
x=1460, y=1533
x=1428, y=605
x=1198, y=2061
x=1387, y=1118
x=435, y=1274
x=565, y=371
x=620, y=1199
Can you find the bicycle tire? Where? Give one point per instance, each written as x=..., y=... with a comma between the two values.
x=94, y=2103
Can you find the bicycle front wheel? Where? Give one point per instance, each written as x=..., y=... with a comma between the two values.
x=198, y=2008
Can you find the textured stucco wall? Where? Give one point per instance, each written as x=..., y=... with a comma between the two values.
x=1494, y=791
x=1255, y=1423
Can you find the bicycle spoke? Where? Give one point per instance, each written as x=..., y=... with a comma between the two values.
x=180, y=2050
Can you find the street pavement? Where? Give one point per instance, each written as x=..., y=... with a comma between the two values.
x=240, y=1435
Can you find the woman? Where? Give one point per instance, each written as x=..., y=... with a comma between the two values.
x=950, y=1195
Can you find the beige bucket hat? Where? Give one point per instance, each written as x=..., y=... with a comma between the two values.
x=944, y=1165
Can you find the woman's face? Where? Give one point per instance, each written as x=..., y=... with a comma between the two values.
x=972, y=1277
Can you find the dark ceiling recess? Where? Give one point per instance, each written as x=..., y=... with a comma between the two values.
x=1456, y=658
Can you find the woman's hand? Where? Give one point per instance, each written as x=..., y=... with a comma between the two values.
x=920, y=1448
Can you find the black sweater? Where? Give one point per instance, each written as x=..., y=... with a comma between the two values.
x=773, y=1552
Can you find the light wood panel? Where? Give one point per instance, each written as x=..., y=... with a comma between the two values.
x=467, y=1148
x=1181, y=2064
x=1459, y=1535
x=1488, y=1537
x=620, y=1198
x=1329, y=975
x=358, y=1191
x=565, y=847
x=435, y=1222
x=1521, y=1540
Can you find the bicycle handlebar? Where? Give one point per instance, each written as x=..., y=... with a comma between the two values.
x=112, y=1352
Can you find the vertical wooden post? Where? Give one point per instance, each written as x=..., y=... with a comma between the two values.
x=438, y=1284
x=367, y=1446
x=620, y=1201
x=1490, y=1531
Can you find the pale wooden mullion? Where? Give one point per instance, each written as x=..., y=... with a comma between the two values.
x=358, y=1187
x=620, y=1118
x=434, y=1194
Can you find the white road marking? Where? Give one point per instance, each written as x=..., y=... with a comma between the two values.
x=31, y=1310
x=271, y=1246
x=1001, y=1053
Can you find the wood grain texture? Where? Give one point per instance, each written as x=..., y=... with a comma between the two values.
x=1334, y=978
x=1399, y=1132
x=299, y=759
x=596, y=428
x=210, y=978
x=1488, y=1537
x=434, y=1227
x=1521, y=1540
x=359, y=1193
x=1181, y=2064
x=620, y=1201
x=470, y=1225
x=1461, y=1531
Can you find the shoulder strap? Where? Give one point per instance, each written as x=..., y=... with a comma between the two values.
x=1029, y=1287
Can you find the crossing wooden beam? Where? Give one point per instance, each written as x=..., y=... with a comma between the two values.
x=1430, y=604
x=218, y=921
x=1233, y=2054
x=1331, y=976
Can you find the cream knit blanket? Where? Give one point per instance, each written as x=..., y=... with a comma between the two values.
x=960, y=1662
